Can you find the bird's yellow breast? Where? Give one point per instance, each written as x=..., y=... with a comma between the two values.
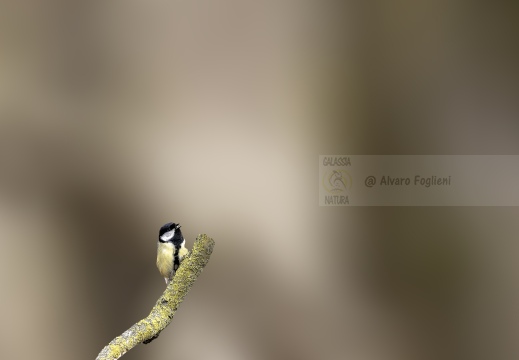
x=165, y=259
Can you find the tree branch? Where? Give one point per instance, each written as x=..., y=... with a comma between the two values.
x=162, y=313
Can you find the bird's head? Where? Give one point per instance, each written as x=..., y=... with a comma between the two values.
x=168, y=231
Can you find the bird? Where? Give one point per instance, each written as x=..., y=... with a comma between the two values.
x=171, y=250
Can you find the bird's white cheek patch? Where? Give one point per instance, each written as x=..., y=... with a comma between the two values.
x=168, y=235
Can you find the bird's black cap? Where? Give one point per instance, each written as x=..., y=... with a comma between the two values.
x=167, y=227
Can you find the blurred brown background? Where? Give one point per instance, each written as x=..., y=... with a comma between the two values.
x=118, y=116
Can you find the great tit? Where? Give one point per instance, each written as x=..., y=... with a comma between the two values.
x=170, y=250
